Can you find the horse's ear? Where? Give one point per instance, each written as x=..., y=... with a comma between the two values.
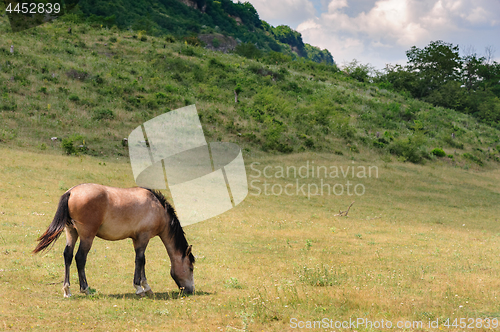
x=188, y=250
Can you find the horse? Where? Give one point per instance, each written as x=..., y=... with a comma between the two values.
x=89, y=210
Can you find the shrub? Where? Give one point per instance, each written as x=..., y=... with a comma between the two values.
x=309, y=142
x=256, y=69
x=214, y=63
x=248, y=50
x=170, y=39
x=68, y=144
x=380, y=142
x=189, y=51
x=277, y=58
x=274, y=139
x=408, y=149
x=215, y=43
x=74, y=98
x=193, y=40
x=103, y=114
x=345, y=130
x=438, y=152
x=161, y=95
x=112, y=39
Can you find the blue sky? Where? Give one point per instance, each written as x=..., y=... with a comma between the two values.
x=380, y=31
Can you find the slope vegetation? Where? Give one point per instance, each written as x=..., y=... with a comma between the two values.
x=93, y=86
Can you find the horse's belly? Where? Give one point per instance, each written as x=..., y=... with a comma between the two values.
x=114, y=232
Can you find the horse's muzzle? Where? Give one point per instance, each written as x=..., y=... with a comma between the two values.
x=188, y=290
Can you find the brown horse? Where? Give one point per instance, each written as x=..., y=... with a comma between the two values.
x=90, y=210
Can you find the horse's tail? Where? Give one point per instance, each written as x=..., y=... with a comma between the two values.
x=56, y=226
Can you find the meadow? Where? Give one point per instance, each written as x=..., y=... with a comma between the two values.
x=421, y=243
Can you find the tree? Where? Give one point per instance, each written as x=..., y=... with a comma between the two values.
x=436, y=64
x=472, y=66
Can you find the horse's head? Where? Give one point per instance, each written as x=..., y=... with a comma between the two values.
x=181, y=271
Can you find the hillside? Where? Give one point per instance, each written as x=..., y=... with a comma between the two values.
x=93, y=86
x=184, y=18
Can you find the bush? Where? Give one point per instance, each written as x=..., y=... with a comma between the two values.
x=214, y=63
x=380, y=142
x=274, y=138
x=68, y=144
x=215, y=43
x=103, y=114
x=170, y=39
x=407, y=149
x=256, y=69
x=438, y=152
x=74, y=98
x=194, y=41
x=309, y=142
x=345, y=130
x=248, y=50
x=189, y=51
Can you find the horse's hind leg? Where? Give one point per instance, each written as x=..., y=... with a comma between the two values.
x=71, y=237
x=140, y=282
x=81, y=260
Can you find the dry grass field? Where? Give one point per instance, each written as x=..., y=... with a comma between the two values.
x=421, y=243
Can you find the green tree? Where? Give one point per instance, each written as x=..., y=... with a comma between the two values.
x=434, y=65
x=471, y=67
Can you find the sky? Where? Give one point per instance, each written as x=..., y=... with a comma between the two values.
x=379, y=32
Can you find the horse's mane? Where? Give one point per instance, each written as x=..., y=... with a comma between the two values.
x=176, y=231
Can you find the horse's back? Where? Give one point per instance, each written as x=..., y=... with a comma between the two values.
x=115, y=213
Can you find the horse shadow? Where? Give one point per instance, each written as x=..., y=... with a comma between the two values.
x=172, y=295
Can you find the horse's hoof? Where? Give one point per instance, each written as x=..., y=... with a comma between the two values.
x=85, y=291
x=139, y=290
x=66, y=291
x=147, y=288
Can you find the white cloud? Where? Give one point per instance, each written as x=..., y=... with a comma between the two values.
x=383, y=33
x=380, y=31
x=336, y=4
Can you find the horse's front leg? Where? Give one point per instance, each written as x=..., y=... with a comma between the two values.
x=81, y=260
x=144, y=282
x=140, y=281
